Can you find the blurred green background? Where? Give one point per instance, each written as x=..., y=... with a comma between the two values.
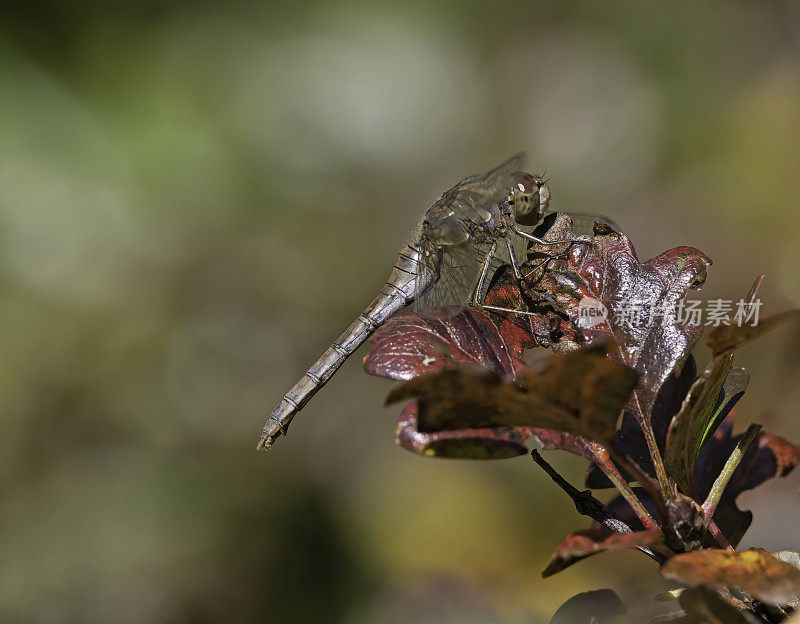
x=197, y=197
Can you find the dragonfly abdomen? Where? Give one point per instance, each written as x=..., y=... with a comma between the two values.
x=398, y=291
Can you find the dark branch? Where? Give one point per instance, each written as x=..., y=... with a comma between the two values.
x=588, y=505
x=585, y=503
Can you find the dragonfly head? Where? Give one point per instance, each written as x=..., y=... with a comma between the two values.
x=528, y=198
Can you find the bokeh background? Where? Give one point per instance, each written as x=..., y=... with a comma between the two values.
x=197, y=197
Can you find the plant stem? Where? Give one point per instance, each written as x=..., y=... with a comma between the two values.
x=644, y=479
x=655, y=454
x=652, y=445
x=714, y=496
x=630, y=496
x=719, y=536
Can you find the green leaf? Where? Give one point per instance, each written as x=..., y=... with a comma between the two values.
x=733, y=388
x=711, y=396
x=694, y=422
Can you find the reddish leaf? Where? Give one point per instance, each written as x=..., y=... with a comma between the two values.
x=583, y=544
x=496, y=443
x=582, y=447
x=409, y=345
x=542, y=327
x=608, y=270
x=754, y=571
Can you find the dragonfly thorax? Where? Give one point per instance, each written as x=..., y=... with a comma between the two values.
x=445, y=229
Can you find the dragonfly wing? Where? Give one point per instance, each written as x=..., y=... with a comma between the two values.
x=428, y=270
x=488, y=187
x=494, y=180
x=458, y=272
x=507, y=167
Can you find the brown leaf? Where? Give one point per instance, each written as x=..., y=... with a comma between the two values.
x=754, y=571
x=497, y=443
x=583, y=544
x=725, y=339
x=409, y=345
x=580, y=393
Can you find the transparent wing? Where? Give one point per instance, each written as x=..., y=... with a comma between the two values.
x=458, y=271
x=503, y=170
x=474, y=195
x=496, y=175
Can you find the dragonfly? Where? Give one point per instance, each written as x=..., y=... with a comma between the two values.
x=444, y=268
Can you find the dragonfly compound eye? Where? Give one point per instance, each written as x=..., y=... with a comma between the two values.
x=528, y=198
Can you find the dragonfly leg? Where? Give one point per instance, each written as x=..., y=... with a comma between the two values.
x=487, y=263
x=477, y=298
x=542, y=241
x=544, y=261
x=513, y=258
x=483, y=306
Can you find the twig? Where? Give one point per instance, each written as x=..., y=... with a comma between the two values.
x=585, y=503
x=718, y=535
x=655, y=454
x=663, y=483
x=630, y=496
x=644, y=479
x=714, y=496
x=588, y=505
